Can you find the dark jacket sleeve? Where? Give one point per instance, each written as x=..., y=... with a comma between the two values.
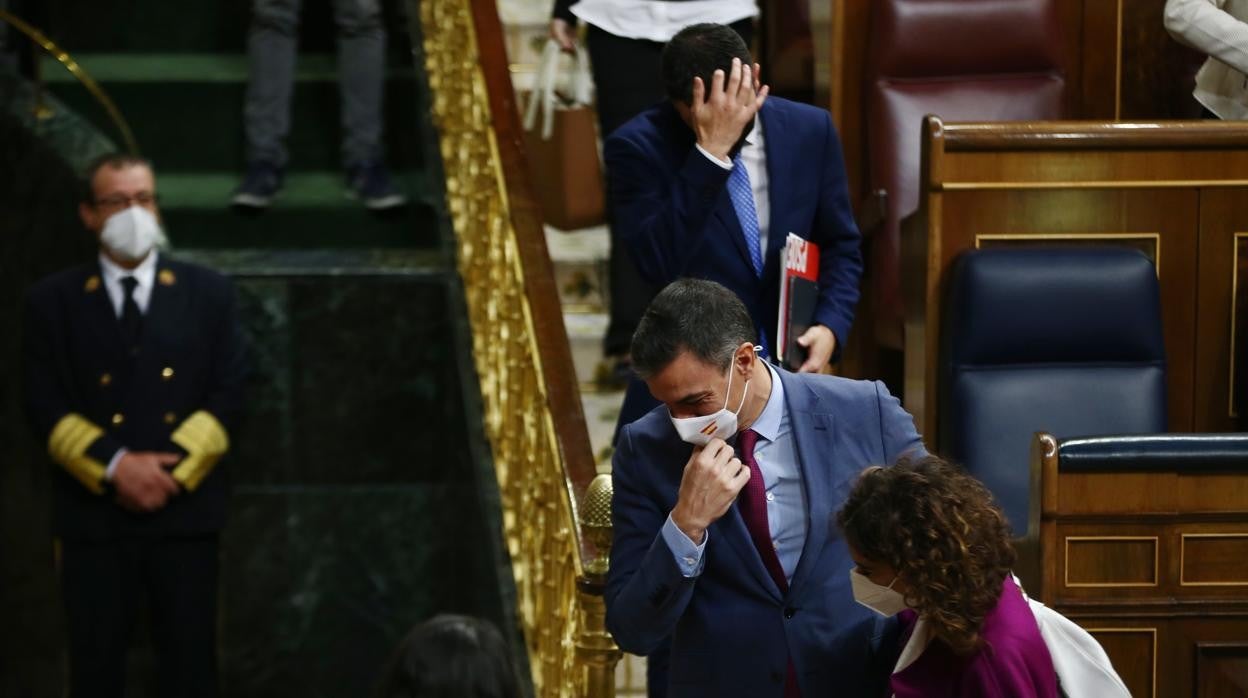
x=205, y=435
x=661, y=217
x=81, y=447
x=563, y=10
x=646, y=593
x=900, y=438
x=229, y=361
x=840, y=244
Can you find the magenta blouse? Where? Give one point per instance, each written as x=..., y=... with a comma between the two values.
x=1013, y=663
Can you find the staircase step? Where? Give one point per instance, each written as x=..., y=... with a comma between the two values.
x=585, y=333
x=188, y=109
x=160, y=25
x=312, y=211
x=190, y=67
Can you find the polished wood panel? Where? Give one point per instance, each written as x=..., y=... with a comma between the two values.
x=1134, y=653
x=1214, y=559
x=1158, y=73
x=1111, y=561
x=1222, y=669
x=1150, y=185
x=1101, y=59
x=1183, y=635
x=1222, y=309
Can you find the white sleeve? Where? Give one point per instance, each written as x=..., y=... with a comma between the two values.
x=1203, y=26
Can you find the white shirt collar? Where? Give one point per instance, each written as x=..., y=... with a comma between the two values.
x=144, y=274
x=768, y=423
x=755, y=136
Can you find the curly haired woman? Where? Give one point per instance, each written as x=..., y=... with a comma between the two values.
x=931, y=547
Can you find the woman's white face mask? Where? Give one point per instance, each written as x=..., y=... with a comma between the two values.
x=722, y=424
x=884, y=600
x=130, y=234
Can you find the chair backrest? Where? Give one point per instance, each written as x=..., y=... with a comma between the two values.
x=1062, y=340
x=962, y=60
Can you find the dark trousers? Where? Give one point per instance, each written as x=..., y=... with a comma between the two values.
x=106, y=582
x=628, y=80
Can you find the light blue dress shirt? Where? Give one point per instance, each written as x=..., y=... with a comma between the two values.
x=776, y=454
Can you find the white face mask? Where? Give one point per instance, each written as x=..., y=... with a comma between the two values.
x=882, y=600
x=700, y=430
x=132, y=233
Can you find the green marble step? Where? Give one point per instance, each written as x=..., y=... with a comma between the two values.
x=143, y=26
x=189, y=67
x=311, y=212
x=186, y=111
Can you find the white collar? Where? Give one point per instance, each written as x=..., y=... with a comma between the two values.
x=145, y=273
x=768, y=423
x=755, y=136
x=920, y=637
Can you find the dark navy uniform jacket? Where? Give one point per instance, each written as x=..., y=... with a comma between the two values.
x=89, y=393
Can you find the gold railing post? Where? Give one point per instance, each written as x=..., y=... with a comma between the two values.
x=558, y=540
x=594, y=645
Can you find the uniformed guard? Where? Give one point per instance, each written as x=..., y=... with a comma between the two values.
x=134, y=369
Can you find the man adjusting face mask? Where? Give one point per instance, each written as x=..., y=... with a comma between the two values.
x=131, y=233
x=720, y=424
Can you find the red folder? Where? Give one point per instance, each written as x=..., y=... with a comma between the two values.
x=799, y=293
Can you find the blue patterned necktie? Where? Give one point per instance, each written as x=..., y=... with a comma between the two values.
x=742, y=196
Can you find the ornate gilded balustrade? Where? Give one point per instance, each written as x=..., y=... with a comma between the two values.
x=533, y=416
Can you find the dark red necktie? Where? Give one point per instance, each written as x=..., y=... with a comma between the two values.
x=752, y=503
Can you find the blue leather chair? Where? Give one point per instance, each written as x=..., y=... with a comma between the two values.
x=1062, y=340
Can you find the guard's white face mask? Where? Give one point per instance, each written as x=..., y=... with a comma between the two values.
x=883, y=600
x=130, y=234
x=723, y=424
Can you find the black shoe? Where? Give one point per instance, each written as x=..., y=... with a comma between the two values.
x=260, y=185
x=371, y=184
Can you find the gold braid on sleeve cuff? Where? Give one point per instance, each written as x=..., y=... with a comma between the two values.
x=205, y=441
x=68, y=444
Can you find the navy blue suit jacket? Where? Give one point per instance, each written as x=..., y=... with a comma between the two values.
x=670, y=206
x=732, y=630
x=192, y=356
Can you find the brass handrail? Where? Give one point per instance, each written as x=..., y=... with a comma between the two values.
x=63, y=57
x=532, y=413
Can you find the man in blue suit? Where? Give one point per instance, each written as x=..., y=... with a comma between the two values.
x=722, y=510
x=710, y=183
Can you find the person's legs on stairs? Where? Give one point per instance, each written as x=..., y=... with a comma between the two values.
x=272, y=45
x=361, y=83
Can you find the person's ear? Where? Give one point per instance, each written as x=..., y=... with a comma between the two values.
x=745, y=358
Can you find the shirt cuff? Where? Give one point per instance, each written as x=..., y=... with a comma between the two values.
x=112, y=463
x=688, y=555
x=727, y=165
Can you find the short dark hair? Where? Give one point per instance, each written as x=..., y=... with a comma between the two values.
x=451, y=656
x=694, y=315
x=699, y=50
x=113, y=161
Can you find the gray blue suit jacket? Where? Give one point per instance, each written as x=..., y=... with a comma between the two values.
x=733, y=631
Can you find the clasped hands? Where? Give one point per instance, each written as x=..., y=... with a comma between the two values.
x=712, y=479
x=142, y=480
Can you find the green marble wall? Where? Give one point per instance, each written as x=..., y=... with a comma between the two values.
x=364, y=499
x=358, y=509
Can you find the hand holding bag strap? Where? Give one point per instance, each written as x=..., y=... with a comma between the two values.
x=542, y=98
